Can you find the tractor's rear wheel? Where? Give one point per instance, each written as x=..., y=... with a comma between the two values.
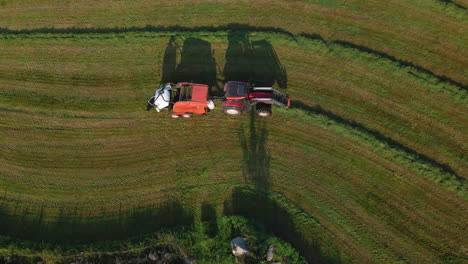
x=232, y=111
x=175, y=116
x=263, y=110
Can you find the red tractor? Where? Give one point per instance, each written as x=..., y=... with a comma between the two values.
x=241, y=97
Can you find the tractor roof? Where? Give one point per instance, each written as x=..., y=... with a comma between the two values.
x=236, y=89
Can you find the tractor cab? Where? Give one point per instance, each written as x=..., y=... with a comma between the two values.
x=236, y=97
x=236, y=90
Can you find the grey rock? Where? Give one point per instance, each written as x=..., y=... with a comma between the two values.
x=189, y=260
x=270, y=255
x=239, y=247
x=152, y=256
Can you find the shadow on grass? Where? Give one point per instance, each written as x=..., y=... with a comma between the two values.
x=449, y=2
x=208, y=215
x=246, y=60
x=376, y=134
x=71, y=228
x=197, y=63
x=257, y=205
x=253, y=61
x=267, y=68
x=255, y=156
x=169, y=62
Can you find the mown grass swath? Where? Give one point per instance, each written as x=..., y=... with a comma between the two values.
x=370, y=138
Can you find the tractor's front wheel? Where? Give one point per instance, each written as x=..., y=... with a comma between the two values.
x=232, y=111
x=263, y=110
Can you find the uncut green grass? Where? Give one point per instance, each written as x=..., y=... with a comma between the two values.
x=75, y=135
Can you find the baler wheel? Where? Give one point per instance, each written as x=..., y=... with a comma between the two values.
x=232, y=111
x=175, y=116
x=263, y=110
x=187, y=115
x=210, y=104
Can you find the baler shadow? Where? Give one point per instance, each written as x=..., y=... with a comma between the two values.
x=196, y=65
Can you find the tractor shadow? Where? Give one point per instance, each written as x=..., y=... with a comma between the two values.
x=253, y=61
x=197, y=63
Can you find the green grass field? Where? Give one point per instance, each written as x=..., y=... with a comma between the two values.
x=367, y=166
